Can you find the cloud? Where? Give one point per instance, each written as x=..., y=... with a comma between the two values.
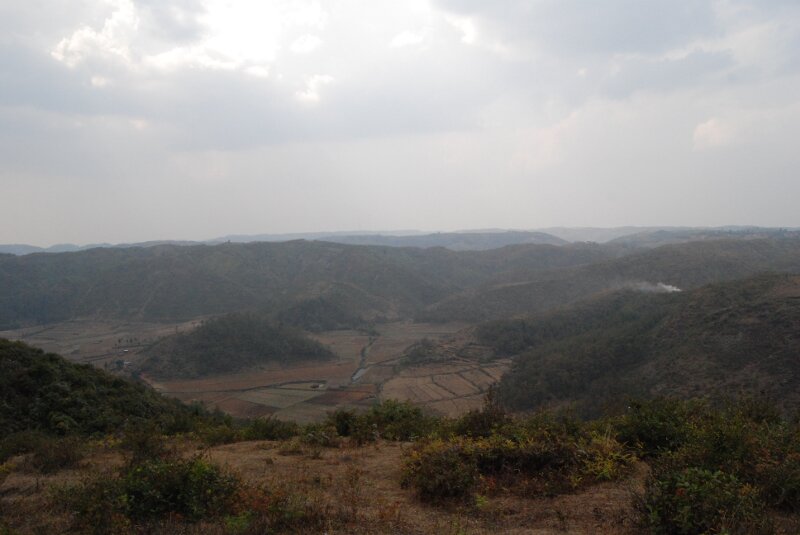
x=712, y=134
x=520, y=113
x=305, y=44
x=406, y=38
x=314, y=84
x=111, y=40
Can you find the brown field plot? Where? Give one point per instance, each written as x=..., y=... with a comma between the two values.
x=304, y=392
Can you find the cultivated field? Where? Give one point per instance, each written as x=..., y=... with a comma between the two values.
x=449, y=389
x=368, y=368
x=101, y=343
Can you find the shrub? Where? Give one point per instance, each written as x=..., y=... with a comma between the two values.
x=143, y=441
x=216, y=435
x=52, y=454
x=442, y=470
x=659, y=425
x=193, y=489
x=344, y=420
x=321, y=434
x=484, y=422
x=605, y=459
x=279, y=510
x=20, y=442
x=270, y=429
x=97, y=504
x=695, y=500
x=398, y=420
x=531, y=461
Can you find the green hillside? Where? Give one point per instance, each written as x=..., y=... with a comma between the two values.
x=738, y=336
x=230, y=343
x=44, y=392
x=168, y=283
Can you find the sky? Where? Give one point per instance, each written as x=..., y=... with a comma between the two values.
x=135, y=120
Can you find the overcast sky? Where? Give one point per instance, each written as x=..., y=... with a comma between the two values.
x=132, y=120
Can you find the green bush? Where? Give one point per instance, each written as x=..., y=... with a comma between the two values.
x=270, y=429
x=193, y=489
x=687, y=501
x=52, y=454
x=20, y=442
x=659, y=425
x=390, y=420
x=440, y=470
x=215, y=435
x=533, y=457
x=143, y=441
x=153, y=490
x=322, y=434
x=491, y=418
x=97, y=504
x=398, y=420
x=45, y=453
x=344, y=420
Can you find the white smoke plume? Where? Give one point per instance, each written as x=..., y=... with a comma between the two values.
x=649, y=287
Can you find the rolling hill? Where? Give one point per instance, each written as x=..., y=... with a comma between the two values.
x=685, y=266
x=728, y=338
x=173, y=282
x=230, y=343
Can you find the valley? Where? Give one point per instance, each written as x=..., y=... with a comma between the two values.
x=368, y=367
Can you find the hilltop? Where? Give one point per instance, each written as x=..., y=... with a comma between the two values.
x=230, y=343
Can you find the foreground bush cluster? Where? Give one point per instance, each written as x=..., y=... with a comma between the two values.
x=535, y=456
x=713, y=467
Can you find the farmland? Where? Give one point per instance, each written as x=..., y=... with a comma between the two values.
x=368, y=367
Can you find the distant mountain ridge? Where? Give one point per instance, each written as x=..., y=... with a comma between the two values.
x=457, y=241
x=466, y=240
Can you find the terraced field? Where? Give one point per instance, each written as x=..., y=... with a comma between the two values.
x=368, y=368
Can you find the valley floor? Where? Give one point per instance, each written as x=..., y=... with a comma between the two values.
x=368, y=368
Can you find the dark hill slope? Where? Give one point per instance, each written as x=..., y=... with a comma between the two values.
x=228, y=344
x=44, y=392
x=686, y=266
x=736, y=336
x=172, y=282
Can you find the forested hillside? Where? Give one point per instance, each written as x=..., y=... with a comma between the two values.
x=230, y=343
x=685, y=266
x=44, y=392
x=729, y=338
x=173, y=282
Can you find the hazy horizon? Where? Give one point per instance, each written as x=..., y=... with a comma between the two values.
x=126, y=121
x=564, y=232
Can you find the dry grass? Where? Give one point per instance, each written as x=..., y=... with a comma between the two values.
x=364, y=482
x=358, y=489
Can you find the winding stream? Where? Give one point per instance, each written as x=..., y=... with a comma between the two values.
x=362, y=364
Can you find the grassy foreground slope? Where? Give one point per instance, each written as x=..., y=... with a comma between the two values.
x=731, y=337
x=230, y=343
